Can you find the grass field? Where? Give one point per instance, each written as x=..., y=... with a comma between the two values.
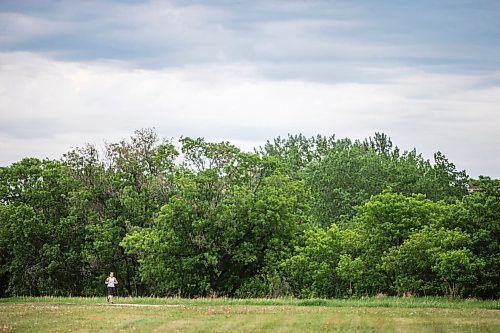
x=253, y=315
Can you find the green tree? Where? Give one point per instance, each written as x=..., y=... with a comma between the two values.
x=118, y=194
x=419, y=265
x=296, y=152
x=350, y=270
x=351, y=172
x=41, y=245
x=322, y=265
x=458, y=269
x=481, y=219
x=232, y=217
x=310, y=217
x=386, y=221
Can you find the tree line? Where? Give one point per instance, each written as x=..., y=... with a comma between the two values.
x=306, y=217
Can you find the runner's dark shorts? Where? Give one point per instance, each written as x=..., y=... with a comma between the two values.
x=111, y=290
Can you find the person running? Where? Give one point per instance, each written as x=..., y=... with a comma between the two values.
x=110, y=283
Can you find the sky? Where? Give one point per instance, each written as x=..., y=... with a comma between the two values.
x=426, y=73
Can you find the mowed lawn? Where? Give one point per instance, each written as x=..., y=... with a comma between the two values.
x=153, y=315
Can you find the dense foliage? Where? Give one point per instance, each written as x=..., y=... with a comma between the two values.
x=308, y=217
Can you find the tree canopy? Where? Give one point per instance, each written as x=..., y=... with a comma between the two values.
x=308, y=217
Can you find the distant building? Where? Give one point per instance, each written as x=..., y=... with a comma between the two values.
x=471, y=187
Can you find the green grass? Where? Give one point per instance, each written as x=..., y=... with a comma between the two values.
x=390, y=314
x=399, y=302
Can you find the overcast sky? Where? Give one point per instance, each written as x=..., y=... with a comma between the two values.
x=427, y=73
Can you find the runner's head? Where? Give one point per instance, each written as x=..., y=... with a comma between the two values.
x=111, y=274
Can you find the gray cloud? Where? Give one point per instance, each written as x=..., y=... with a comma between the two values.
x=426, y=73
x=156, y=34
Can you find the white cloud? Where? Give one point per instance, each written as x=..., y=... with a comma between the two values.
x=47, y=106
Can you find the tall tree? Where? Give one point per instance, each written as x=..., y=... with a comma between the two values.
x=233, y=216
x=42, y=245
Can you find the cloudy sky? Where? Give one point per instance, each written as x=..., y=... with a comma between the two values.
x=427, y=73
